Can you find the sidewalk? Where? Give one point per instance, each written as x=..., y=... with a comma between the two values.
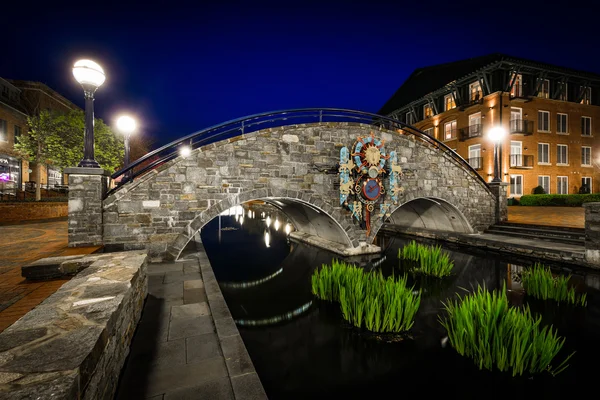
x=571, y=217
x=20, y=245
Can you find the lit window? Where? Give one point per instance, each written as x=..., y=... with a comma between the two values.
x=562, y=123
x=450, y=130
x=475, y=92
x=586, y=156
x=562, y=184
x=562, y=154
x=449, y=102
x=427, y=111
x=587, y=95
x=517, y=88
x=543, y=121
x=544, y=89
x=586, y=126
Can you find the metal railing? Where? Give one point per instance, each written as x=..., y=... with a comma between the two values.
x=472, y=131
x=521, y=161
x=520, y=126
x=256, y=122
x=476, y=163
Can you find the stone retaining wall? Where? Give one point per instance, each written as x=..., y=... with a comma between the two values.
x=74, y=344
x=27, y=211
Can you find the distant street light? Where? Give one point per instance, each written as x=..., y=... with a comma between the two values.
x=185, y=151
x=91, y=76
x=126, y=125
x=497, y=135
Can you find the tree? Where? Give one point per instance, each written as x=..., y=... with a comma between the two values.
x=57, y=139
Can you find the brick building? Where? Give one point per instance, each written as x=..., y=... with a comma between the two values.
x=551, y=115
x=18, y=99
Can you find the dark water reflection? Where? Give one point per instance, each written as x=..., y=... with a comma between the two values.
x=316, y=355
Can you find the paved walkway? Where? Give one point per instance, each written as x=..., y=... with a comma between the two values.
x=20, y=245
x=186, y=345
x=571, y=217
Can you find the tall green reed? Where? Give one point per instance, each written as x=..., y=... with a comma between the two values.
x=430, y=260
x=539, y=282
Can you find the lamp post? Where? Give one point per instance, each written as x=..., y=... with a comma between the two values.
x=91, y=76
x=126, y=125
x=496, y=135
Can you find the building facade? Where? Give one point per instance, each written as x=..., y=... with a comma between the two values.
x=551, y=116
x=18, y=100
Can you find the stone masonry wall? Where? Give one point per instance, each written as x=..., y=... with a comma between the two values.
x=74, y=344
x=28, y=211
x=163, y=209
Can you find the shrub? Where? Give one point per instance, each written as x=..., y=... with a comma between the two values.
x=540, y=283
x=431, y=260
x=483, y=327
x=570, y=200
x=367, y=298
x=539, y=190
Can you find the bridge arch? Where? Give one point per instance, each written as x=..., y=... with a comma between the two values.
x=163, y=207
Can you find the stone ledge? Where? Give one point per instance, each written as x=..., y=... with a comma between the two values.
x=74, y=344
x=56, y=267
x=334, y=247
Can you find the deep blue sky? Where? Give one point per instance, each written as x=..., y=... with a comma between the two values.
x=184, y=66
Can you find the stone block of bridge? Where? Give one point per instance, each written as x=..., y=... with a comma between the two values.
x=592, y=233
x=499, y=190
x=87, y=187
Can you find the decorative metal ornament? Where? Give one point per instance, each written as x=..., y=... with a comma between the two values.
x=362, y=175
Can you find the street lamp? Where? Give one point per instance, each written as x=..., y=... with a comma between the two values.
x=126, y=125
x=496, y=135
x=185, y=151
x=91, y=76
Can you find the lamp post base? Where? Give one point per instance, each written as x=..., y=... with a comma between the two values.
x=85, y=163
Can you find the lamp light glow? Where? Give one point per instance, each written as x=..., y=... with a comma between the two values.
x=277, y=224
x=497, y=134
x=126, y=124
x=87, y=72
x=185, y=151
x=268, y=222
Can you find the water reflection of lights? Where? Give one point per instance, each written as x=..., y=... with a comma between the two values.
x=268, y=221
x=379, y=262
x=237, y=217
x=242, y=220
x=288, y=229
x=274, y=320
x=277, y=224
x=243, y=285
x=267, y=239
x=236, y=210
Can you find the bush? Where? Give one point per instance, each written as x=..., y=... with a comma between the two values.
x=585, y=189
x=483, y=327
x=430, y=260
x=567, y=200
x=367, y=298
x=539, y=190
x=541, y=284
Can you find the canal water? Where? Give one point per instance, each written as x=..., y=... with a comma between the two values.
x=303, y=349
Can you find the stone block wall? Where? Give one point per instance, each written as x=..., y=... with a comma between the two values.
x=87, y=187
x=28, y=211
x=500, y=189
x=592, y=233
x=74, y=344
x=163, y=209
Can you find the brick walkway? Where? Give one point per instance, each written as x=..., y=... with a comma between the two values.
x=571, y=217
x=20, y=245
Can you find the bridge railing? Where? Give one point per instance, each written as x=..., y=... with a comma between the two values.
x=256, y=122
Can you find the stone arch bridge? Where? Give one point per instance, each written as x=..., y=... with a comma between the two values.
x=285, y=158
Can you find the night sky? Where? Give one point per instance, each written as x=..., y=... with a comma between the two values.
x=183, y=67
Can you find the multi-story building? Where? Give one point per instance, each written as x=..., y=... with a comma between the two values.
x=19, y=99
x=551, y=115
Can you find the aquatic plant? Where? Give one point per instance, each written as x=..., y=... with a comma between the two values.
x=430, y=260
x=483, y=327
x=540, y=283
x=367, y=298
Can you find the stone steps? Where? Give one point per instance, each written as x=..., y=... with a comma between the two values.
x=549, y=233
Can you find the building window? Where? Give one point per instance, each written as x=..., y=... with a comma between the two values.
x=562, y=184
x=475, y=156
x=562, y=152
x=516, y=153
x=429, y=132
x=562, y=124
x=475, y=92
x=409, y=118
x=587, y=95
x=586, y=126
x=543, y=121
x=475, y=125
x=450, y=130
x=543, y=153
x=544, y=89
x=516, y=185
x=563, y=93
x=544, y=181
x=586, y=156
x=449, y=102
x=17, y=132
x=586, y=184
x=3, y=131
x=517, y=88
x=427, y=111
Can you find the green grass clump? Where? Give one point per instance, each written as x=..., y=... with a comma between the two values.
x=483, y=327
x=430, y=260
x=541, y=284
x=367, y=299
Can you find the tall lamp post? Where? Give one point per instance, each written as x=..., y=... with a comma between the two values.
x=126, y=125
x=91, y=76
x=496, y=135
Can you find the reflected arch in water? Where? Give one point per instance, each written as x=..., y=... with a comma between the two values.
x=430, y=213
